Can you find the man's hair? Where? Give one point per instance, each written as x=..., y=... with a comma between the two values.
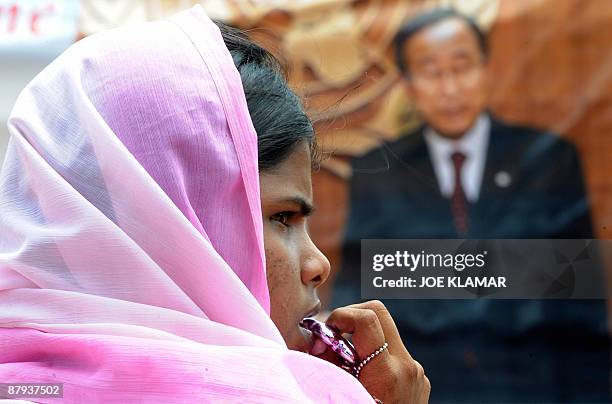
x=429, y=18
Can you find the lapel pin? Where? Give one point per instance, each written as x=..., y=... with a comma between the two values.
x=503, y=179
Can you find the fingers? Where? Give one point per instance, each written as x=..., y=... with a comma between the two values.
x=422, y=384
x=389, y=328
x=367, y=332
x=425, y=392
x=371, y=325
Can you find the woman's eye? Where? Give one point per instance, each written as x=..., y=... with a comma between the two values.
x=283, y=218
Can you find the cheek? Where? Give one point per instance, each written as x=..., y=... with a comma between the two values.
x=284, y=282
x=482, y=97
x=280, y=263
x=426, y=104
x=477, y=93
x=277, y=274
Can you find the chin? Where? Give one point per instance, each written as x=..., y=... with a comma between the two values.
x=297, y=339
x=454, y=131
x=453, y=126
x=455, y=134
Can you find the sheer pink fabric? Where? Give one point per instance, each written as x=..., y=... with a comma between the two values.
x=131, y=246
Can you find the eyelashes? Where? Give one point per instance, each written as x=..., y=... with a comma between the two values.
x=284, y=218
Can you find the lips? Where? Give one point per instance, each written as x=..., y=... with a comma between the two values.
x=308, y=337
x=313, y=311
x=454, y=111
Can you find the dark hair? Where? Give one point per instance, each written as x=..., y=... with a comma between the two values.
x=276, y=111
x=426, y=19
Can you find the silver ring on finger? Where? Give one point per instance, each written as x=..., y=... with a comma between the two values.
x=360, y=365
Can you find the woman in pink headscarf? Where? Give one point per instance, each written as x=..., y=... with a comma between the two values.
x=132, y=229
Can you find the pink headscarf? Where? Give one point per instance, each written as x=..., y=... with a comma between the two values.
x=131, y=246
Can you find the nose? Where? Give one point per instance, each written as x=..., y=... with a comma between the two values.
x=315, y=266
x=449, y=84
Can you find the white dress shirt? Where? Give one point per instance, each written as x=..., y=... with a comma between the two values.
x=473, y=144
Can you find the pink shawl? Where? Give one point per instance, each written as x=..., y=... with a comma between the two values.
x=131, y=246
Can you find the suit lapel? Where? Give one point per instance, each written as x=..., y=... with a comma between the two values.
x=499, y=172
x=414, y=161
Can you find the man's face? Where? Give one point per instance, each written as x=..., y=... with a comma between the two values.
x=447, y=76
x=295, y=266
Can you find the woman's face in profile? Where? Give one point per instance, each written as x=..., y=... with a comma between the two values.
x=295, y=266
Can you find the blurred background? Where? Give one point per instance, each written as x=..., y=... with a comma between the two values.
x=550, y=60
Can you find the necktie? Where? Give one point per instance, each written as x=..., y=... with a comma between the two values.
x=458, y=200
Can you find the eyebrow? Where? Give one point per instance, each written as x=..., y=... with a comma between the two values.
x=462, y=53
x=306, y=208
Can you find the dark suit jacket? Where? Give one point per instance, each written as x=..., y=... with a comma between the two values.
x=486, y=350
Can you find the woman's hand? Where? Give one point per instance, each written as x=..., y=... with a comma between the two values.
x=393, y=376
